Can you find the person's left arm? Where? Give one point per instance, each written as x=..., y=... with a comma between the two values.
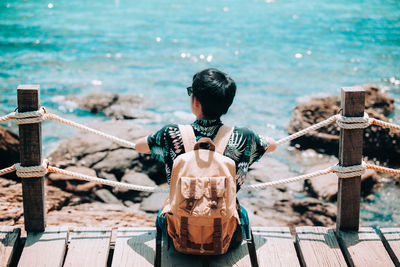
x=259, y=146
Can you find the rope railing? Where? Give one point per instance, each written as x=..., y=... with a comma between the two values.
x=341, y=172
x=342, y=121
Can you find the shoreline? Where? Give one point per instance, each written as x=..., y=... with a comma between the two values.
x=286, y=205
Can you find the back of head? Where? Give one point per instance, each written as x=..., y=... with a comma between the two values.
x=215, y=91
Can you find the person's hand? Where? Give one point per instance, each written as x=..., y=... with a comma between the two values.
x=272, y=145
x=142, y=146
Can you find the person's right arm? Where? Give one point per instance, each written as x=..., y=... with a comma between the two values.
x=142, y=146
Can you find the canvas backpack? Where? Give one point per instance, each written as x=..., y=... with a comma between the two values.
x=201, y=212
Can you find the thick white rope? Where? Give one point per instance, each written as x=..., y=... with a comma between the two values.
x=41, y=114
x=32, y=171
x=349, y=171
x=7, y=170
x=91, y=130
x=307, y=130
x=342, y=172
x=108, y=182
x=353, y=122
x=342, y=121
x=261, y=186
x=382, y=169
x=7, y=117
x=384, y=124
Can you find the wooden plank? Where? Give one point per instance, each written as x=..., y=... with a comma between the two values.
x=171, y=258
x=318, y=247
x=134, y=247
x=30, y=138
x=364, y=248
x=9, y=237
x=391, y=240
x=275, y=246
x=45, y=248
x=238, y=257
x=88, y=247
x=350, y=153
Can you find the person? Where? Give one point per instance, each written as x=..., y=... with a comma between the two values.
x=211, y=94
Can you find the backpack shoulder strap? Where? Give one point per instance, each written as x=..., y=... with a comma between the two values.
x=222, y=138
x=188, y=137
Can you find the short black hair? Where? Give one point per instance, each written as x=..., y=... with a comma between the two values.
x=215, y=91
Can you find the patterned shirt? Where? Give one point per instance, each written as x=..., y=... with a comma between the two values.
x=244, y=146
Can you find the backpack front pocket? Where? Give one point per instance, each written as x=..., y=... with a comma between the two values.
x=203, y=196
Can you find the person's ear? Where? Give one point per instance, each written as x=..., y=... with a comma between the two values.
x=196, y=101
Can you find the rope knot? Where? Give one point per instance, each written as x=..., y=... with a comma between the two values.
x=349, y=171
x=29, y=117
x=353, y=122
x=32, y=171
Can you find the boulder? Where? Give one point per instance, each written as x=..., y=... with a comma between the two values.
x=72, y=184
x=137, y=178
x=326, y=186
x=129, y=107
x=315, y=212
x=115, y=106
x=154, y=202
x=268, y=170
x=9, y=150
x=326, y=139
x=11, y=207
x=106, y=196
x=97, y=102
x=117, y=161
x=378, y=101
x=86, y=149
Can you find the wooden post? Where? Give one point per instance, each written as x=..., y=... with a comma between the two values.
x=30, y=138
x=350, y=153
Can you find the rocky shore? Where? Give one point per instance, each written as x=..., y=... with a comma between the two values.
x=326, y=140
x=75, y=202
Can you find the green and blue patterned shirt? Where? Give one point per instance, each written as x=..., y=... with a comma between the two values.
x=244, y=146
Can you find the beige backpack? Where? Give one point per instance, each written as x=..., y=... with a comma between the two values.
x=201, y=211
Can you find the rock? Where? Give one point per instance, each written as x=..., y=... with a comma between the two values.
x=378, y=101
x=154, y=202
x=97, y=102
x=129, y=107
x=106, y=196
x=326, y=139
x=269, y=169
x=115, y=106
x=72, y=184
x=91, y=159
x=9, y=150
x=77, y=149
x=137, y=178
x=117, y=161
x=315, y=212
x=11, y=207
x=108, y=176
x=326, y=186
x=127, y=113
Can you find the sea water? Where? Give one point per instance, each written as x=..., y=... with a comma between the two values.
x=278, y=52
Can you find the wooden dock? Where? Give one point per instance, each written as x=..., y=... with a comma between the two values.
x=276, y=246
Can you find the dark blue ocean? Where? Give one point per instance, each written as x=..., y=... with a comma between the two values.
x=278, y=52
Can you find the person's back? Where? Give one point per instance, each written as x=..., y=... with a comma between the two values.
x=211, y=94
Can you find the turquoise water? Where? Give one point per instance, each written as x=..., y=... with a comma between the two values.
x=278, y=52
